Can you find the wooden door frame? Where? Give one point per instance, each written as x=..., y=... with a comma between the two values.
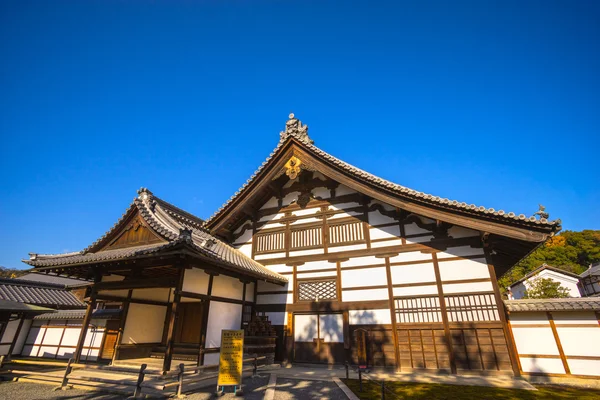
x=317, y=314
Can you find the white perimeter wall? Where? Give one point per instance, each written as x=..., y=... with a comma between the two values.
x=579, y=335
x=145, y=324
x=9, y=336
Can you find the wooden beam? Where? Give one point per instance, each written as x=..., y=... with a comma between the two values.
x=442, y=301
x=161, y=282
x=172, y=322
x=558, y=343
x=84, y=326
x=392, y=306
x=204, y=327
x=124, y=312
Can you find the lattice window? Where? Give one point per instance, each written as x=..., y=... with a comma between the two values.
x=418, y=309
x=307, y=238
x=270, y=242
x=317, y=290
x=472, y=307
x=346, y=233
x=246, y=314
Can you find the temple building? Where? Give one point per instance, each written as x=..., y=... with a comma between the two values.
x=343, y=264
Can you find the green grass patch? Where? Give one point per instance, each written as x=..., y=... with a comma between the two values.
x=402, y=390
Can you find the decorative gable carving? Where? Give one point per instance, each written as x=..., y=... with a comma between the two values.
x=135, y=233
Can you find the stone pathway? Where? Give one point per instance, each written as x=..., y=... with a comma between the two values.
x=288, y=389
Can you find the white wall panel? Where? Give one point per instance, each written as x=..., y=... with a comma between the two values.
x=585, y=367
x=414, y=229
x=22, y=336
x=412, y=273
x=576, y=341
x=422, y=239
x=386, y=232
x=535, y=341
x=275, y=298
x=250, y=291
x=277, y=318
x=228, y=287
x=463, y=269
x=338, y=249
x=342, y=190
x=272, y=202
x=460, y=251
x=387, y=243
x=328, y=274
x=468, y=287
x=145, y=324
x=211, y=359
x=410, y=256
x=365, y=295
x=364, y=277
x=376, y=218
x=157, y=294
x=272, y=287
x=361, y=261
x=311, y=265
x=195, y=281
x=268, y=256
x=298, y=253
x=221, y=316
x=544, y=365
x=321, y=192
x=460, y=232
x=415, y=290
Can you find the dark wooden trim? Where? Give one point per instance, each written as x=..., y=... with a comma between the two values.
x=324, y=306
x=243, y=305
x=133, y=301
x=295, y=278
x=171, y=328
x=442, y=301
x=435, y=244
x=392, y=306
x=87, y=318
x=502, y=312
x=122, y=322
x=558, y=344
x=338, y=268
x=205, y=312
x=16, y=336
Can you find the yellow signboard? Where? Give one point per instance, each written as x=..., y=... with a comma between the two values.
x=230, y=360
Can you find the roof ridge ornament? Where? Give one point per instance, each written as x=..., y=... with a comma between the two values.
x=294, y=127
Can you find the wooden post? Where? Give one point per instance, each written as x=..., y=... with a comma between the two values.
x=205, y=312
x=180, y=380
x=65, y=379
x=561, y=352
x=138, y=385
x=442, y=301
x=392, y=307
x=15, y=337
x=172, y=322
x=124, y=313
x=86, y=323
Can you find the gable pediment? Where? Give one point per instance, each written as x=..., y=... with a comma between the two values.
x=135, y=232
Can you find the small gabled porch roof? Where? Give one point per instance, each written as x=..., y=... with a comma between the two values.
x=170, y=232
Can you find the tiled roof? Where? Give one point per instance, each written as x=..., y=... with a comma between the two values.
x=544, y=267
x=15, y=306
x=302, y=139
x=41, y=294
x=174, y=225
x=570, y=304
x=79, y=314
x=593, y=270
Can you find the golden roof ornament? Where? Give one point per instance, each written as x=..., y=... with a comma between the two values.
x=294, y=127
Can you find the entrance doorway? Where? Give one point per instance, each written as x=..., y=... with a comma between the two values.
x=189, y=323
x=319, y=338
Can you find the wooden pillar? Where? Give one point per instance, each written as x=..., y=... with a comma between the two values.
x=124, y=312
x=392, y=306
x=173, y=321
x=510, y=343
x=442, y=301
x=561, y=352
x=243, y=305
x=84, y=326
x=16, y=336
x=205, y=311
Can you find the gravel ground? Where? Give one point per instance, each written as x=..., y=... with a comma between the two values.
x=254, y=389
x=288, y=389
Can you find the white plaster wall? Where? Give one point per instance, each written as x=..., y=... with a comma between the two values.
x=460, y=232
x=317, y=275
x=535, y=341
x=362, y=261
x=414, y=229
x=277, y=318
x=221, y=316
x=365, y=295
x=387, y=243
x=342, y=190
x=8, y=336
x=416, y=273
x=421, y=239
x=298, y=253
x=338, y=249
x=284, y=298
x=369, y=317
x=250, y=291
x=268, y=256
x=576, y=341
x=376, y=218
x=387, y=232
x=246, y=236
x=585, y=367
x=211, y=359
x=415, y=290
x=321, y=192
x=279, y=268
x=463, y=269
x=364, y=277
x=225, y=286
x=145, y=324
x=568, y=282
x=195, y=281
x=468, y=287
x=410, y=256
x=542, y=365
x=22, y=336
x=246, y=249
x=314, y=265
x=272, y=287
x=460, y=251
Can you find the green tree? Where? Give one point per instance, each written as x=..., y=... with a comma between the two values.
x=571, y=251
x=545, y=288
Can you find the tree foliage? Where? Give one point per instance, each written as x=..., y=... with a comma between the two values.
x=571, y=251
x=545, y=288
x=11, y=272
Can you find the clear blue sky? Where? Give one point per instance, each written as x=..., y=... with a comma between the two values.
x=492, y=103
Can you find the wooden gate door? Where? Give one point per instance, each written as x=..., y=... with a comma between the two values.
x=189, y=323
x=319, y=338
x=110, y=339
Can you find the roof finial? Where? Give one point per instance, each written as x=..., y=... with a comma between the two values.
x=542, y=213
x=294, y=127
